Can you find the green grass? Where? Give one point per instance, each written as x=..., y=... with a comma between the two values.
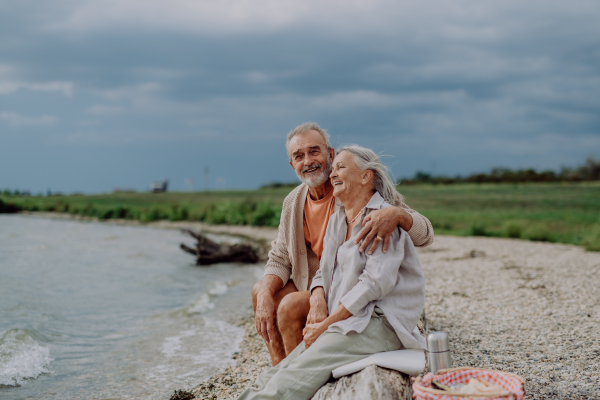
x=554, y=212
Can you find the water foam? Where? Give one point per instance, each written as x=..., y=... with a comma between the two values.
x=21, y=357
x=219, y=289
x=201, y=304
x=172, y=344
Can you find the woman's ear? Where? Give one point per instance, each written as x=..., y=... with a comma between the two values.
x=367, y=176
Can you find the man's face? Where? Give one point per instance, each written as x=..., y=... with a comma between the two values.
x=310, y=159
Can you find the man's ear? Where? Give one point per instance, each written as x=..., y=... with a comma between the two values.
x=331, y=154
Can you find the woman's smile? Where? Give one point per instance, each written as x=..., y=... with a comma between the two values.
x=345, y=174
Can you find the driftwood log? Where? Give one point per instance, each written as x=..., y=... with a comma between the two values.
x=372, y=382
x=210, y=252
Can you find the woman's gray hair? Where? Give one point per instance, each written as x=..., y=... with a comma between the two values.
x=366, y=159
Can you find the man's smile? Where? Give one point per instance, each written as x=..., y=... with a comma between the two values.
x=311, y=169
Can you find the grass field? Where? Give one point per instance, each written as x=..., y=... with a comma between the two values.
x=555, y=212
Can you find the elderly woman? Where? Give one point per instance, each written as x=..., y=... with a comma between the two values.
x=373, y=302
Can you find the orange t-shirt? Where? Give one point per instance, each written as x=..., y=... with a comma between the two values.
x=316, y=217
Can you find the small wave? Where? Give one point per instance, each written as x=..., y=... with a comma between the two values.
x=201, y=304
x=219, y=289
x=21, y=357
x=173, y=344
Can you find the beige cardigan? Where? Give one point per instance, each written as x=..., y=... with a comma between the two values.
x=289, y=257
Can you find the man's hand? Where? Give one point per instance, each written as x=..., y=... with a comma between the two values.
x=318, y=307
x=312, y=332
x=265, y=310
x=379, y=225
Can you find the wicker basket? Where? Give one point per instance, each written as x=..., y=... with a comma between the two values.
x=512, y=385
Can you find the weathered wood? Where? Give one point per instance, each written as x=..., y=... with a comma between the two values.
x=371, y=383
x=209, y=252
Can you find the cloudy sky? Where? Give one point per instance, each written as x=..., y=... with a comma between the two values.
x=96, y=95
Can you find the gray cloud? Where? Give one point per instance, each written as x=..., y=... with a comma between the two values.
x=461, y=85
x=17, y=120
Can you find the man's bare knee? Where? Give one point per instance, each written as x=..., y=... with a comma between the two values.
x=291, y=310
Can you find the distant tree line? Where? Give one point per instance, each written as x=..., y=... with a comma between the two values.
x=589, y=171
x=278, y=185
x=15, y=193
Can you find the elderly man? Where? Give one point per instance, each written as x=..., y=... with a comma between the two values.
x=281, y=300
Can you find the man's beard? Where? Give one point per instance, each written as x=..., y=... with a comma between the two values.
x=318, y=180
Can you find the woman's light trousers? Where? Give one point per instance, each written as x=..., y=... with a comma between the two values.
x=304, y=371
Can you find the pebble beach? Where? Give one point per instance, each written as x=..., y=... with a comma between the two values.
x=529, y=308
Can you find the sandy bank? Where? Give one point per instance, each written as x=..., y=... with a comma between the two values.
x=524, y=307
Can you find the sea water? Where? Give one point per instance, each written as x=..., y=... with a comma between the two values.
x=98, y=311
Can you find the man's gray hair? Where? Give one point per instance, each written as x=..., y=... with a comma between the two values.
x=366, y=159
x=303, y=128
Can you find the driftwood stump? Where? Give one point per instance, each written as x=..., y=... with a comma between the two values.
x=209, y=252
x=371, y=383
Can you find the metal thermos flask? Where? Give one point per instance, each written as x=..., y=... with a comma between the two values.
x=438, y=351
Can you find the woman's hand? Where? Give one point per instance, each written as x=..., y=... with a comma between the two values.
x=379, y=225
x=312, y=332
x=318, y=307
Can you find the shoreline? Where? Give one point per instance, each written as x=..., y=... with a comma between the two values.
x=259, y=236
x=252, y=359
x=529, y=308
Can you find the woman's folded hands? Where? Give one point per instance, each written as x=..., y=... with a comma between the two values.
x=318, y=321
x=318, y=307
x=312, y=332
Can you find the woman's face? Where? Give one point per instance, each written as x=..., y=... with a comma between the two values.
x=345, y=176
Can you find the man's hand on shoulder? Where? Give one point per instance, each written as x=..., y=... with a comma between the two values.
x=379, y=225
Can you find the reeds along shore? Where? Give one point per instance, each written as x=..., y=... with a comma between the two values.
x=551, y=212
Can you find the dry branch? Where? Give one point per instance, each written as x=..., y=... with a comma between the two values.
x=209, y=252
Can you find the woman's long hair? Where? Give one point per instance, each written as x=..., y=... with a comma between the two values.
x=366, y=159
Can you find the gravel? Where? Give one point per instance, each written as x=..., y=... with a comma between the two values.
x=529, y=308
x=523, y=307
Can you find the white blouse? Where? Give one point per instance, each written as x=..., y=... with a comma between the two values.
x=393, y=281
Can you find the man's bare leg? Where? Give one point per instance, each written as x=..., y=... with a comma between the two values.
x=291, y=318
x=276, y=347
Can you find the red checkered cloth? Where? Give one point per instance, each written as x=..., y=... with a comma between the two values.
x=507, y=382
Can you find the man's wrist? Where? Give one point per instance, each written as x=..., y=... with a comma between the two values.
x=404, y=220
x=265, y=292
